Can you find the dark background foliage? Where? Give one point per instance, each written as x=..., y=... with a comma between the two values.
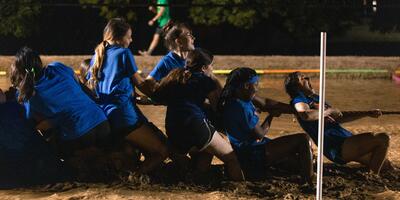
x=286, y=27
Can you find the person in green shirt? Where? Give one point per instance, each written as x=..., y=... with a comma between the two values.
x=162, y=17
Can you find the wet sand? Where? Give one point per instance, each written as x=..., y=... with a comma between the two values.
x=350, y=182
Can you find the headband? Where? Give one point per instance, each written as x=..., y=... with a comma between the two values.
x=253, y=79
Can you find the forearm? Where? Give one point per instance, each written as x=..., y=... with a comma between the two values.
x=262, y=129
x=147, y=86
x=351, y=116
x=270, y=105
x=159, y=14
x=309, y=115
x=267, y=123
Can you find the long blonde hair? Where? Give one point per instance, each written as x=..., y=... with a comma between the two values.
x=115, y=30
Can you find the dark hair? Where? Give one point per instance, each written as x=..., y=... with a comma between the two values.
x=196, y=60
x=115, y=30
x=236, y=79
x=26, y=67
x=83, y=69
x=172, y=31
x=292, y=84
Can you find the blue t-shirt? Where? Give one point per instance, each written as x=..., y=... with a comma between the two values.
x=25, y=158
x=187, y=101
x=59, y=98
x=167, y=64
x=334, y=134
x=240, y=118
x=115, y=88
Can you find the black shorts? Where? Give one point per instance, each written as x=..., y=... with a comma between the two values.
x=159, y=30
x=193, y=133
x=96, y=137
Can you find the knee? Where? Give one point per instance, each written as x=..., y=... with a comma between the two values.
x=163, y=152
x=304, y=139
x=383, y=138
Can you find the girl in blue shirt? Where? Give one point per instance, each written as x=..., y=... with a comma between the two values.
x=113, y=76
x=52, y=93
x=247, y=134
x=25, y=158
x=188, y=129
x=340, y=145
x=179, y=40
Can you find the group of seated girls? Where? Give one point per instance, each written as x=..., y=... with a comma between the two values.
x=100, y=111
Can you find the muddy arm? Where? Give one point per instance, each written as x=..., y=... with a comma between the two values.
x=270, y=105
x=352, y=116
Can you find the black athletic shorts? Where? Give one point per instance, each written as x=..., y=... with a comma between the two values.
x=97, y=137
x=159, y=30
x=193, y=133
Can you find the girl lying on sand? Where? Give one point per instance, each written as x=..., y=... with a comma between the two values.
x=340, y=145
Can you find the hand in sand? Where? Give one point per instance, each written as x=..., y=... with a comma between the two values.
x=376, y=113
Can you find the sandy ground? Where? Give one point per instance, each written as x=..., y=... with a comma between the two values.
x=259, y=62
x=350, y=182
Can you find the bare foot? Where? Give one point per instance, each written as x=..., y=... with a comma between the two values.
x=144, y=53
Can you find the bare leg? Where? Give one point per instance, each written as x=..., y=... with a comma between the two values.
x=149, y=141
x=153, y=45
x=223, y=150
x=287, y=146
x=357, y=146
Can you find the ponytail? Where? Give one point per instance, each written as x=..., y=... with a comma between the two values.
x=114, y=31
x=196, y=60
x=168, y=84
x=95, y=71
x=227, y=92
x=26, y=67
x=26, y=88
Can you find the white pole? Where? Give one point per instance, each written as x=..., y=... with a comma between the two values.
x=321, y=116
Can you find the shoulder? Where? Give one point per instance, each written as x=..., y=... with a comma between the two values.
x=203, y=79
x=162, y=63
x=168, y=58
x=239, y=111
x=301, y=103
x=117, y=51
x=234, y=105
x=58, y=66
x=300, y=98
x=124, y=52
